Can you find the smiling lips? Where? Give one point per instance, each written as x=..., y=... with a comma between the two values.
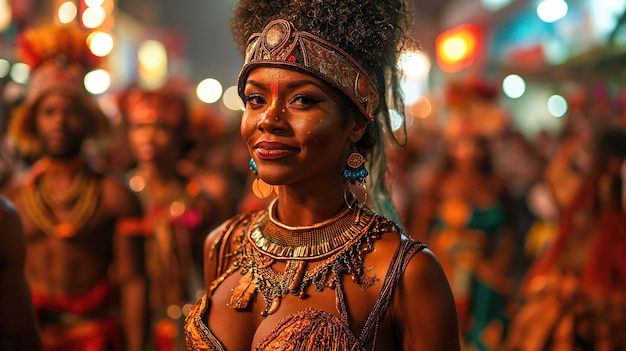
x=273, y=151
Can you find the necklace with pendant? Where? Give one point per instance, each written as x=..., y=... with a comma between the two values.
x=312, y=255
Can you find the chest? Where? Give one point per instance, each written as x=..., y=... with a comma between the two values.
x=245, y=329
x=93, y=233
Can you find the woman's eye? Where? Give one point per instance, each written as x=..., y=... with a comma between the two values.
x=304, y=100
x=254, y=100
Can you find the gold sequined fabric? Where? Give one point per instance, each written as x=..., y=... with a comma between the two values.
x=198, y=336
x=311, y=330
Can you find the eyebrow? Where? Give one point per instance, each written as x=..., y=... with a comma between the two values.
x=291, y=85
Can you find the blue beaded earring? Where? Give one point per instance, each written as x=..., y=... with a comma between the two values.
x=261, y=189
x=355, y=173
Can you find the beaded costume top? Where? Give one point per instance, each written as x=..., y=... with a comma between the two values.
x=250, y=252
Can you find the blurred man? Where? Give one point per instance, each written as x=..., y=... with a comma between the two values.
x=82, y=228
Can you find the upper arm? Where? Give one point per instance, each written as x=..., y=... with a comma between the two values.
x=219, y=246
x=16, y=312
x=123, y=206
x=121, y=202
x=12, y=248
x=210, y=260
x=424, y=307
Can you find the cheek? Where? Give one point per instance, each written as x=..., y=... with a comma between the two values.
x=135, y=136
x=321, y=133
x=76, y=123
x=163, y=139
x=247, y=126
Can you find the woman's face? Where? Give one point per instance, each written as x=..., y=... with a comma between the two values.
x=465, y=152
x=296, y=127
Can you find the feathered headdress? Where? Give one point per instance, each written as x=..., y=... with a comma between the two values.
x=38, y=45
x=59, y=57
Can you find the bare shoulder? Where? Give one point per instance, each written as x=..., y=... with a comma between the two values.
x=11, y=236
x=218, y=245
x=118, y=198
x=424, y=268
x=221, y=237
x=424, y=307
x=12, y=192
x=9, y=218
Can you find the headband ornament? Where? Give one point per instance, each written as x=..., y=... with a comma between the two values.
x=281, y=44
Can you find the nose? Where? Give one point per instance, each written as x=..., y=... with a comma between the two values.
x=146, y=134
x=273, y=119
x=60, y=120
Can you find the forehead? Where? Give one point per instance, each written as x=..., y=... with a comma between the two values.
x=150, y=108
x=284, y=77
x=56, y=97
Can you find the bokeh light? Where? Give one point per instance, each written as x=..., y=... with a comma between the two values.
x=415, y=64
x=153, y=63
x=6, y=15
x=20, y=72
x=552, y=10
x=100, y=43
x=494, y=4
x=513, y=86
x=67, y=12
x=209, y=90
x=97, y=81
x=557, y=105
x=422, y=108
x=231, y=99
x=396, y=119
x=93, y=17
x=5, y=67
x=94, y=3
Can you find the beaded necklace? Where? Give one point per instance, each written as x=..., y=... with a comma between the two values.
x=337, y=245
x=37, y=198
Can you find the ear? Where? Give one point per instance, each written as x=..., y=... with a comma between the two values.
x=358, y=128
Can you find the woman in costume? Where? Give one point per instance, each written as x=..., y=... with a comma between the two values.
x=465, y=217
x=574, y=295
x=178, y=215
x=319, y=269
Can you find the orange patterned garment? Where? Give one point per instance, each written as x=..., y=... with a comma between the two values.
x=310, y=329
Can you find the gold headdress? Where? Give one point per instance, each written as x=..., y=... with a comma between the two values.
x=59, y=58
x=281, y=44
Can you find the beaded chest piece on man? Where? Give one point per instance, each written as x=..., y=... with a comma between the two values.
x=81, y=198
x=337, y=246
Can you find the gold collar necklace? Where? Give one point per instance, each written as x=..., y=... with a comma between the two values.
x=307, y=243
x=338, y=245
